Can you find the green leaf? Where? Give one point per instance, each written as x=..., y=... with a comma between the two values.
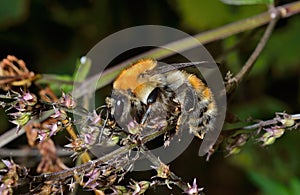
x=200, y=15
x=267, y=184
x=295, y=186
x=57, y=82
x=83, y=66
x=247, y=2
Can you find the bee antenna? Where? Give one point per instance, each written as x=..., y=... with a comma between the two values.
x=146, y=115
x=103, y=126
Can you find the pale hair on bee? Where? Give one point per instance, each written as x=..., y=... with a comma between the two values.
x=150, y=95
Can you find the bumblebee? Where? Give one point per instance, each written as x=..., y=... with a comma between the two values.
x=147, y=95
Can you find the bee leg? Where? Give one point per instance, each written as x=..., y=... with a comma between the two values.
x=187, y=98
x=203, y=119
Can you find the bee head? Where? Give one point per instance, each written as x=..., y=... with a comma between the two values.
x=132, y=105
x=146, y=92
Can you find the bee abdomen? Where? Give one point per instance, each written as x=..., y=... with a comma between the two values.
x=198, y=106
x=202, y=119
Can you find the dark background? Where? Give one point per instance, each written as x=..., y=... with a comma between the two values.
x=51, y=35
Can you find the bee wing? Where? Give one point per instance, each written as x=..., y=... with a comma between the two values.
x=164, y=68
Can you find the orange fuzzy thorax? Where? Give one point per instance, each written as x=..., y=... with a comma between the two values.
x=128, y=78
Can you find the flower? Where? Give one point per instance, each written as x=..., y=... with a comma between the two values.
x=67, y=101
x=193, y=189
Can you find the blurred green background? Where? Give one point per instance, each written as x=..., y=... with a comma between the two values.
x=50, y=35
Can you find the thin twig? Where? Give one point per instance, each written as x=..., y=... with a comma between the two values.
x=157, y=163
x=262, y=124
x=29, y=152
x=233, y=82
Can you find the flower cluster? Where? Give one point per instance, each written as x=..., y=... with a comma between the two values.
x=264, y=132
x=22, y=106
x=10, y=176
x=276, y=130
x=14, y=74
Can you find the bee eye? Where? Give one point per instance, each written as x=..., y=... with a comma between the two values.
x=153, y=96
x=118, y=108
